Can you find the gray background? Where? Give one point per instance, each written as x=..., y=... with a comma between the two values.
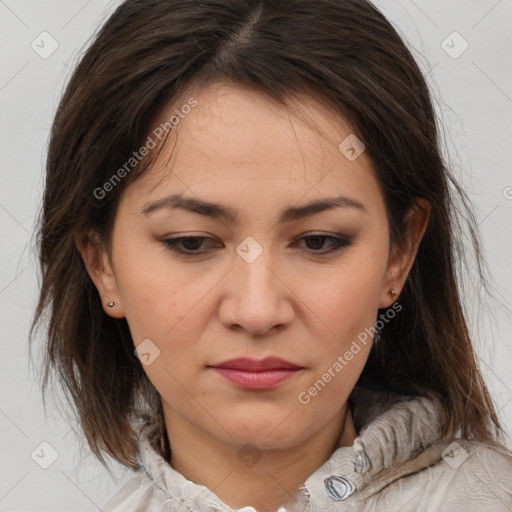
x=474, y=100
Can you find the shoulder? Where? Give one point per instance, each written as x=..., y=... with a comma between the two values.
x=469, y=476
x=137, y=494
x=476, y=476
x=461, y=476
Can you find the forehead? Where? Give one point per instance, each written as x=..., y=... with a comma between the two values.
x=237, y=141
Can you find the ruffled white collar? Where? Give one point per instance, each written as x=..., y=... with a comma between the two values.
x=393, y=431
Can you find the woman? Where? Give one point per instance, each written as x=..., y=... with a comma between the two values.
x=200, y=153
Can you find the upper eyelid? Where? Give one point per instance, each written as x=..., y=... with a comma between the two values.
x=336, y=239
x=305, y=235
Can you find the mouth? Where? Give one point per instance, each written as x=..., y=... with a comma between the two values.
x=256, y=374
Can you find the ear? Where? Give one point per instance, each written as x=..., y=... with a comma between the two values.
x=402, y=257
x=99, y=267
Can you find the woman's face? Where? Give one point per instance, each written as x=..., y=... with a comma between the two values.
x=255, y=282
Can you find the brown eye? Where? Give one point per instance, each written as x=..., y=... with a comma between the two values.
x=187, y=244
x=317, y=241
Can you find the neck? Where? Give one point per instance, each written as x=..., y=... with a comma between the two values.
x=241, y=475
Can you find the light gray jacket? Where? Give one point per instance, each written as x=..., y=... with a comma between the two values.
x=397, y=464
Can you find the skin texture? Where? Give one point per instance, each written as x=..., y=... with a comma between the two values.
x=241, y=150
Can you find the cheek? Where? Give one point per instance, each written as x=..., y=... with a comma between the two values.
x=346, y=299
x=141, y=295
x=155, y=294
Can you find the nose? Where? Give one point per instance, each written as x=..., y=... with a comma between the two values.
x=258, y=299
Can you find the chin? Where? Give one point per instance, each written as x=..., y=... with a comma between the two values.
x=266, y=432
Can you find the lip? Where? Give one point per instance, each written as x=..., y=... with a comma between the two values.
x=257, y=374
x=257, y=365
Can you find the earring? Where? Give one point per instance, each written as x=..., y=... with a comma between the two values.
x=393, y=292
x=111, y=304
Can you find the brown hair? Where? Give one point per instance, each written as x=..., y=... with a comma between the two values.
x=343, y=51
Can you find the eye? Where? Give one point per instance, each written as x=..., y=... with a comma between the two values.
x=190, y=245
x=318, y=239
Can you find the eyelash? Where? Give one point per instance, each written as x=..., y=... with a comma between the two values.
x=338, y=244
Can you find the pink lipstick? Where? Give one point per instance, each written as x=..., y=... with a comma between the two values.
x=256, y=374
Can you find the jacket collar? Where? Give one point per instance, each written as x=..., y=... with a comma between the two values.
x=397, y=435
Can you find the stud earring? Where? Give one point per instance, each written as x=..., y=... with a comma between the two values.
x=111, y=304
x=393, y=292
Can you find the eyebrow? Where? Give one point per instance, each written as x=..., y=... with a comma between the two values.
x=227, y=214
